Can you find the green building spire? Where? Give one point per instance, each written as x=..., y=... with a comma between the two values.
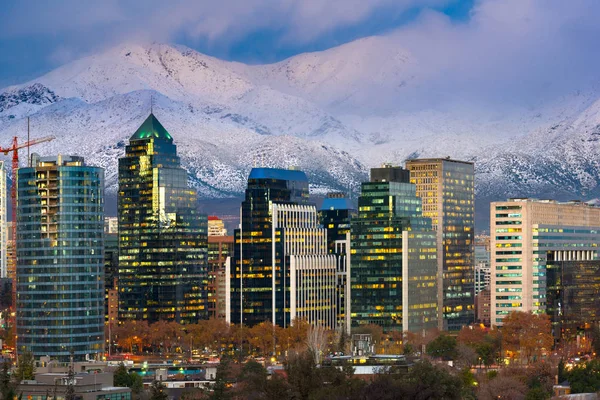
x=151, y=128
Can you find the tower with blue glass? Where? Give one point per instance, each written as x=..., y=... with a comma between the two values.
x=60, y=259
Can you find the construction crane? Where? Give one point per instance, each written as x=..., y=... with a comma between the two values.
x=15, y=165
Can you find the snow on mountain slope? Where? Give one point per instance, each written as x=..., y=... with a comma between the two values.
x=332, y=113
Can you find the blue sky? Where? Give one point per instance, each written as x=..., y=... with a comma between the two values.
x=37, y=36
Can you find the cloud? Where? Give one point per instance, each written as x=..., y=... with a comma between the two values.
x=507, y=51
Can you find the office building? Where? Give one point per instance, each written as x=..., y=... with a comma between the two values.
x=162, y=236
x=219, y=248
x=335, y=214
x=446, y=188
x=60, y=270
x=281, y=269
x=394, y=256
x=533, y=242
x=572, y=296
x=216, y=226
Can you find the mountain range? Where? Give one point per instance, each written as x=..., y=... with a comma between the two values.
x=333, y=114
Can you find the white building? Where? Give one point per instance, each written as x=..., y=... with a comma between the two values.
x=526, y=234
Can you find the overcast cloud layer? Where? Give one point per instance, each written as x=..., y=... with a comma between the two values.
x=506, y=51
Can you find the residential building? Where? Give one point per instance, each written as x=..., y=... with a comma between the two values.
x=446, y=188
x=60, y=270
x=162, y=236
x=482, y=307
x=394, y=256
x=280, y=269
x=533, y=242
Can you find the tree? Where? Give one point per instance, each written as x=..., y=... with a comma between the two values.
x=527, y=335
x=25, y=367
x=252, y=382
x=316, y=342
x=502, y=387
x=584, y=378
x=424, y=381
x=262, y=337
x=123, y=378
x=70, y=390
x=157, y=391
x=302, y=374
x=444, y=347
x=220, y=391
x=7, y=389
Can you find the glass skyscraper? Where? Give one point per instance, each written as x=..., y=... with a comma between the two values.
x=335, y=214
x=162, y=236
x=60, y=267
x=394, y=267
x=447, y=189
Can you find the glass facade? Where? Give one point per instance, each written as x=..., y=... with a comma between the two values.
x=384, y=258
x=255, y=251
x=60, y=258
x=447, y=189
x=335, y=214
x=572, y=296
x=162, y=237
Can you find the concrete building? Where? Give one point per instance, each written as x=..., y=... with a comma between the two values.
x=93, y=385
x=446, y=188
x=60, y=270
x=216, y=226
x=219, y=248
x=527, y=236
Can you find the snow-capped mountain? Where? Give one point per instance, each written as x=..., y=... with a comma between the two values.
x=333, y=114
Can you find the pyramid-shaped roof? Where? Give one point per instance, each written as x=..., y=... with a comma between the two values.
x=151, y=128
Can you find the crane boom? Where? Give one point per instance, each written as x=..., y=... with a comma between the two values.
x=16, y=146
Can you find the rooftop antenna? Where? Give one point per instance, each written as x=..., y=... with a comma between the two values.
x=151, y=104
x=28, y=157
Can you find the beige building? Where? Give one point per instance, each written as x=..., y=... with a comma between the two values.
x=526, y=236
x=446, y=188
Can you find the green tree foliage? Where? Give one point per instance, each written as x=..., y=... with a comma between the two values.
x=70, y=390
x=122, y=378
x=444, y=347
x=7, y=389
x=157, y=391
x=423, y=381
x=585, y=378
x=25, y=367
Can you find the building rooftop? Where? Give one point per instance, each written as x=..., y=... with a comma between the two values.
x=151, y=128
x=431, y=160
x=279, y=174
x=337, y=203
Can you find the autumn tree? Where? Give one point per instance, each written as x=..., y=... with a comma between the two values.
x=132, y=333
x=262, y=337
x=527, y=334
x=166, y=335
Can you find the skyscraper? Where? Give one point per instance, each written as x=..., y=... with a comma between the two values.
x=394, y=267
x=280, y=269
x=447, y=189
x=335, y=214
x=541, y=250
x=60, y=271
x=162, y=236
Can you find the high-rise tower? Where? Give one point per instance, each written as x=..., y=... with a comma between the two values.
x=162, y=237
x=280, y=269
x=447, y=189
x=60, y=270
x=394, y=267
